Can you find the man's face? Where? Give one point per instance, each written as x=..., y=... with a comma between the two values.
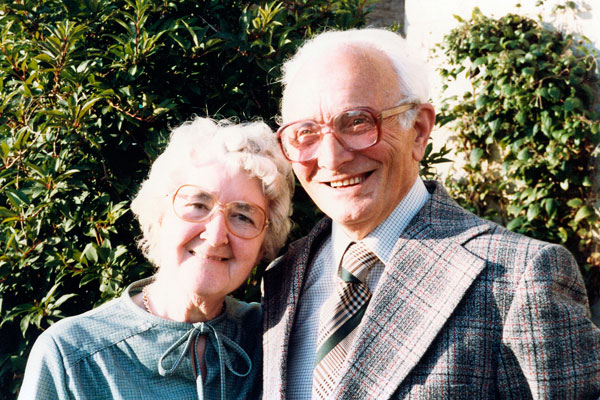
x=358, y=189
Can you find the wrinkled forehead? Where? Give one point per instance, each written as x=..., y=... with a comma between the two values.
x=342, y=78
x=206, y=168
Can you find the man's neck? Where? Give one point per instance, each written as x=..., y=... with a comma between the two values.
x=381, y=237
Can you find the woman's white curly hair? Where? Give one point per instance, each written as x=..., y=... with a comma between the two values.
x=249, y=147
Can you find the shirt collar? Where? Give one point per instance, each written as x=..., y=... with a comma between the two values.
x=382, y=239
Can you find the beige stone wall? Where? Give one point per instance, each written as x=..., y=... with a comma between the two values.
x=387, y=13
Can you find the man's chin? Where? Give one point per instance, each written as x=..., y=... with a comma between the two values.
x=352, y=217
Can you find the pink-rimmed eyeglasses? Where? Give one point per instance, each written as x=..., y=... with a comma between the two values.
x=355, y=129
x=194, y=204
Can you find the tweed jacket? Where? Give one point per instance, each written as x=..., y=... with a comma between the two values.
x=464, y=310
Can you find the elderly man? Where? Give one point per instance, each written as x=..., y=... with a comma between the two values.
x=399, y=292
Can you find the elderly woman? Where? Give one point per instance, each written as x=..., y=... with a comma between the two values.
x=215, y=203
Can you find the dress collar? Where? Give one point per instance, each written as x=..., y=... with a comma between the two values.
x=187, y=343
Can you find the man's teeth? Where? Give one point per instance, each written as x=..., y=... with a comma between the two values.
x=347, y=182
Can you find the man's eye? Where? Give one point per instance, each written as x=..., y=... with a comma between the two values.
x=358, y=121
x=354, y=122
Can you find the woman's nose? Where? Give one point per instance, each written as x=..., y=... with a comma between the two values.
x=215, y=230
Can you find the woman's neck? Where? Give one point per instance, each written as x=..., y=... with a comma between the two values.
x=169, y=302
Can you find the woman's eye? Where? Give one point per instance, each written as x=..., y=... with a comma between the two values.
x=305, y=132
x=242, y=219
x=199, y=207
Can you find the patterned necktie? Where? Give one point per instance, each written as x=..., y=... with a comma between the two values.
x=339, y=317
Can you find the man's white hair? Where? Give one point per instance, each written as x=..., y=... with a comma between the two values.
x=410, y=69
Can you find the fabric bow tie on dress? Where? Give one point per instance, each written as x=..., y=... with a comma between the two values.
x=340, y=316
x=224, y=346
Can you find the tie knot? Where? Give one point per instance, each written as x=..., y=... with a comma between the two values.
x=357, y=261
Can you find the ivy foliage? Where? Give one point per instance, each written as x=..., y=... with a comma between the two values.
x=528, y=130
x=89, y=90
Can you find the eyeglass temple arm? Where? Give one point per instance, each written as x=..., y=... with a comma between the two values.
x=397, y=110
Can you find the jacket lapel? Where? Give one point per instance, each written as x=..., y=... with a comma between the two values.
x=282, y=285
x=422, y=284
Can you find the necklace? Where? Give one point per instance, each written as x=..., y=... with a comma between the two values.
x=146, y=301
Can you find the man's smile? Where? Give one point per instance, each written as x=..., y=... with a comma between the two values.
x=350, y=181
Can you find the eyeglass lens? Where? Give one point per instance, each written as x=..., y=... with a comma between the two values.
x=355, y=129
x=243, y=219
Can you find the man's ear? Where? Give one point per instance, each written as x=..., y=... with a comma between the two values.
x=423, y=124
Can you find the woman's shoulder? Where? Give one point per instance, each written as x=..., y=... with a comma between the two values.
x=81, y=335
x=245, y=314
x=78, y=322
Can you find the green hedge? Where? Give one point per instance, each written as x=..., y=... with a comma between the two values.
x=89, y=90
x=528, y=130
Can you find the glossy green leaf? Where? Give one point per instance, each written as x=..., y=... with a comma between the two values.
x=475, y=156
x=572, y=103
x=17, y=197
x=583, y=213
x=575, y=203
x=533, y=211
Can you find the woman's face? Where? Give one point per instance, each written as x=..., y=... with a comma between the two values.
x=204, y=258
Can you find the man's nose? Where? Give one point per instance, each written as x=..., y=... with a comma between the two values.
x=215, y=230
x=331, y=153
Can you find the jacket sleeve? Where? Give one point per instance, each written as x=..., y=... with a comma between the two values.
x=45, y=376
x=548, y=334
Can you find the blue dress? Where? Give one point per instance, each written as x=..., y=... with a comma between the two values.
x=119, y=351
